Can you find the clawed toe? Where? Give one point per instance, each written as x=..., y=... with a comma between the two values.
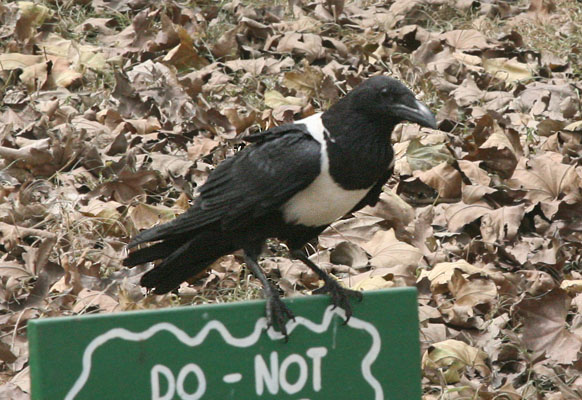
x=278, y=314
x=339, y=296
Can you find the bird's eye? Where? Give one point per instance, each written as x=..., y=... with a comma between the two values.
x=385, y=92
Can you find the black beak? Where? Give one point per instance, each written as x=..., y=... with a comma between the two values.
x=418, y=113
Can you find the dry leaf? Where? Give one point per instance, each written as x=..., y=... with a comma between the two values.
x=423, y=157
x=88, y=299
x=468, y=39
x=373, y=283
x=544, y=327
x=391, y=208
x=442, y=273
x=570, y=286
x=145, y=215
x=453, y=357
x=387, y=251
x=510, y=71
x=472, y=292
x=444, y=179
x=202, y=147
x=356, y=230
x=275, y=99
x=349, y=254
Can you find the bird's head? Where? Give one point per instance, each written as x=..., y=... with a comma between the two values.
x=386, y=99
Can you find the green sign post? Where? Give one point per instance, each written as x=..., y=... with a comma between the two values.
x=221, y=352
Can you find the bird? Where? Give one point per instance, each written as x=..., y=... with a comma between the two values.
x=290, y=182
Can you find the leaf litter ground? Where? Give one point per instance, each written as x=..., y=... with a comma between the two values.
x=112, y=112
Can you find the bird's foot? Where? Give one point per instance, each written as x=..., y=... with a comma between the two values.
x=278, y=314
x=339, y=295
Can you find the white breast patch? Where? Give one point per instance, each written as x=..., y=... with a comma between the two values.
x=323, y=201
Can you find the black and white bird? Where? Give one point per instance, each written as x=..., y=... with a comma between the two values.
x=292, y=182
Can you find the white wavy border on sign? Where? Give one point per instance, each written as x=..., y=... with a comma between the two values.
x=120, y=333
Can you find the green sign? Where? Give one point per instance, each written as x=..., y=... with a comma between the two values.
x=220, y=352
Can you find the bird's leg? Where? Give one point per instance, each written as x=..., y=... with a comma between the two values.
x=277, y=312
x=339, y=295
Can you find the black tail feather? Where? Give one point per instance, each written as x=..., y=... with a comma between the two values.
x=162, y=280
x=151, y=253
x=150, y=235
x=181, y=258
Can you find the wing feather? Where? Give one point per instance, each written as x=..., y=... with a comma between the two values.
x=256, y=181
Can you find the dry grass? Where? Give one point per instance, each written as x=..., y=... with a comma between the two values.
x=560, y=35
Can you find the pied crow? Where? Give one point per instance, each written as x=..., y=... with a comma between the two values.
x=292, y=182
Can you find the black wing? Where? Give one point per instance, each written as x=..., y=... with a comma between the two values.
x=274, y=133
x=254, y=182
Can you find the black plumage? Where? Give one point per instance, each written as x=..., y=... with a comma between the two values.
x=290, y=183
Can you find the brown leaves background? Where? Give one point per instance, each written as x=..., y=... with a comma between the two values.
x=112, y=112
